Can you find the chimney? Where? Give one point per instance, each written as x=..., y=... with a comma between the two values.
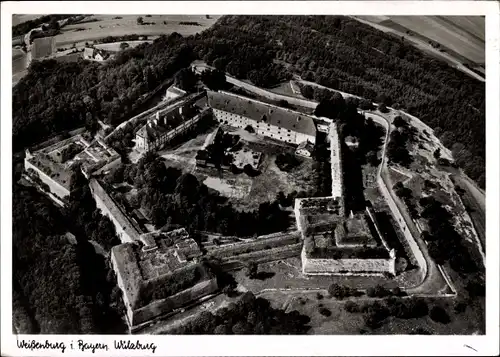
x=180, y=110
x=351, y=215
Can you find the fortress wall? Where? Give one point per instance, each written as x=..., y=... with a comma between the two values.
x=337, y=266
x=199, y=68
x=403, y=226
x=119, y=280
x=124, y=228
x=263, y=256
x=335, y=161
x=160, y=307
x=258, y=244
x=55, y=187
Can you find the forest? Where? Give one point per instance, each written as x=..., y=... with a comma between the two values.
x=59, y=287
x=250, y=315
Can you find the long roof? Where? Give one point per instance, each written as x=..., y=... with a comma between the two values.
x=260, y=112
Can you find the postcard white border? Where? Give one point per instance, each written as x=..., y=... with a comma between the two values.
x=269, y=345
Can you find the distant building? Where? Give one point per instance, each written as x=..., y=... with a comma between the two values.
x=43, y=47
x=95, y=54
x=266, y=119
x=174, y=92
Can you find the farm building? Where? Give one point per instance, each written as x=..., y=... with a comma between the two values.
x=95, y=54
x=266, y=119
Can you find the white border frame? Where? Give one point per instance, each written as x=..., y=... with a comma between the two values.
x=268, y=345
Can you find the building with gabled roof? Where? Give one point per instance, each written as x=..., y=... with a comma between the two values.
x=266, y=119
x=95, y=54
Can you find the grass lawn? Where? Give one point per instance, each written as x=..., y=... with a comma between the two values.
x=287, y=274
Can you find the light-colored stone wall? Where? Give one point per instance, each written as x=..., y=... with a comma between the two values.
x=335, y=161
x=55, y=187
x=160, y=307
x=119, y=281
x=262, y=128
x=127, y=232
x=353, y=266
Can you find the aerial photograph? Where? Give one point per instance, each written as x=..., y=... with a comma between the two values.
x=248, y=174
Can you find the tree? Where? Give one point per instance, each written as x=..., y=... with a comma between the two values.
x=124, y=45
x=186, y=79
x=439, y=314
x=307, y=91
x=54, y=24
x=382, y=108
x=140, y=20
x=399, y=122
x=214, y=79
x=437, y=153
x=251, y=270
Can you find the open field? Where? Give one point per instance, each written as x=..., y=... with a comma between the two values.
x=19, y=19
x=115, y=46
x=287, y=274
x=462, y=34
x=119, y=25
x=457, y=48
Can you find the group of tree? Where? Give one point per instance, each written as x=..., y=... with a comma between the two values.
x=406, y=194
x=61, y=287
x=287, y=161
x=375, y=313
x=248, y=316
x=214, y=79
x=52, y=21
x=444, y=243
x=84, y=216
x=169, y=196
x=186, y=79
